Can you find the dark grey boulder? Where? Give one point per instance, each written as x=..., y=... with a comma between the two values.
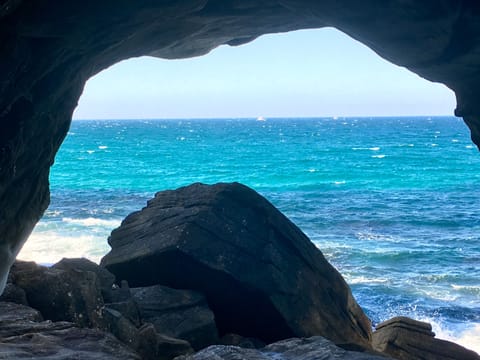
x=60, y=295
x=261, y=275
x=407, y=339
x=181, y=314
x=314, y=348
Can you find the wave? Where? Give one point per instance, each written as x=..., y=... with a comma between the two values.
x=353, y=280
x=92, y=222
x=468, y=336
x=49, y=247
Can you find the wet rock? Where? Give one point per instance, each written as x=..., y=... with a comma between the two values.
x=408, y=339
x=181, y=314
x=291, y=349
x=261, y=275
x=61, y=295
x=23, y=335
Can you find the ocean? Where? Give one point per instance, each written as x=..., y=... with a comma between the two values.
x=391, y=202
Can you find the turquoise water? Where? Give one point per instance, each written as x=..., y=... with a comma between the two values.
x=391, y=202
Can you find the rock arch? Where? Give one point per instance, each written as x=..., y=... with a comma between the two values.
x=50, y=48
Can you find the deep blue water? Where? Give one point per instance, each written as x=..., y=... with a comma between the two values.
x=391, y=202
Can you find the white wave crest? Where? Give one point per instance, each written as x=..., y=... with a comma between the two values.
x=92, y=222
x=49, y=247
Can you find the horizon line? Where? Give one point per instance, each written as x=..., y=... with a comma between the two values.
x=267, y=117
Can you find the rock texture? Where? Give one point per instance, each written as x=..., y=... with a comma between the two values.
x=408, y=339
x=49, y=49
x=182, y=314
x=69, y=294
x=61, y=295
x=24, y=335
x=314, y=348
x=261, y=275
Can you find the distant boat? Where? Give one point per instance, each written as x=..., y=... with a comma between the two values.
x=261, y=118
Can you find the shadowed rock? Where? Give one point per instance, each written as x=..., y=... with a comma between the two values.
x=181, y=314
x=261, y=275
x=145, y=340
x=408, y=339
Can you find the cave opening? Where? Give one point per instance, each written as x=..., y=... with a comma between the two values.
x=96, y=206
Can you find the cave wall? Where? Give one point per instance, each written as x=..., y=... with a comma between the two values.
x=50, y=48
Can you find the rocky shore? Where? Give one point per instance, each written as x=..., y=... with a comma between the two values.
x=202, y=272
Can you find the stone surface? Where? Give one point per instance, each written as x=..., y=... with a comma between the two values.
x=238, y=340
x=49, y=49
x=105, y=278
x=181, y=314
x=261, y=275
x=160, y=347
x=408, y=339
x=15, y=294
x=23, y=335
x=60, y=295
x=314, y=348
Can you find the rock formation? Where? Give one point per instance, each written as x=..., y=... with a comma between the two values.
x=314, y=348
x=182, y=314
x=407, y=339
x=261, y=275
x=24, y=335
x=49, y=49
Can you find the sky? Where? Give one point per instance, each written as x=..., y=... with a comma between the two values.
x=307, y=73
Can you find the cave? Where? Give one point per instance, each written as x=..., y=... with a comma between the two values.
x=49, y=49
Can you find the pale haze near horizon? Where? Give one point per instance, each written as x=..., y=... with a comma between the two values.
x=307, y=73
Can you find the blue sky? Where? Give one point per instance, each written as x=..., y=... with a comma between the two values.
x=298, y=74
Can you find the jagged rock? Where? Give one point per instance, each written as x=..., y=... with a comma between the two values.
x=145, y=340
x=314, y=348
x=156, y=346
x=408, y=339
x=129, y=309
x=181, y=314
x=105, y=278
x=261, y=275
x=60, y=295
x=23, y=335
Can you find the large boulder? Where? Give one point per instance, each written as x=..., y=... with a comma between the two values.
x=181, y=314
x=314, y=348
x=23, y=335
x=261, y=275
x=407, y=339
